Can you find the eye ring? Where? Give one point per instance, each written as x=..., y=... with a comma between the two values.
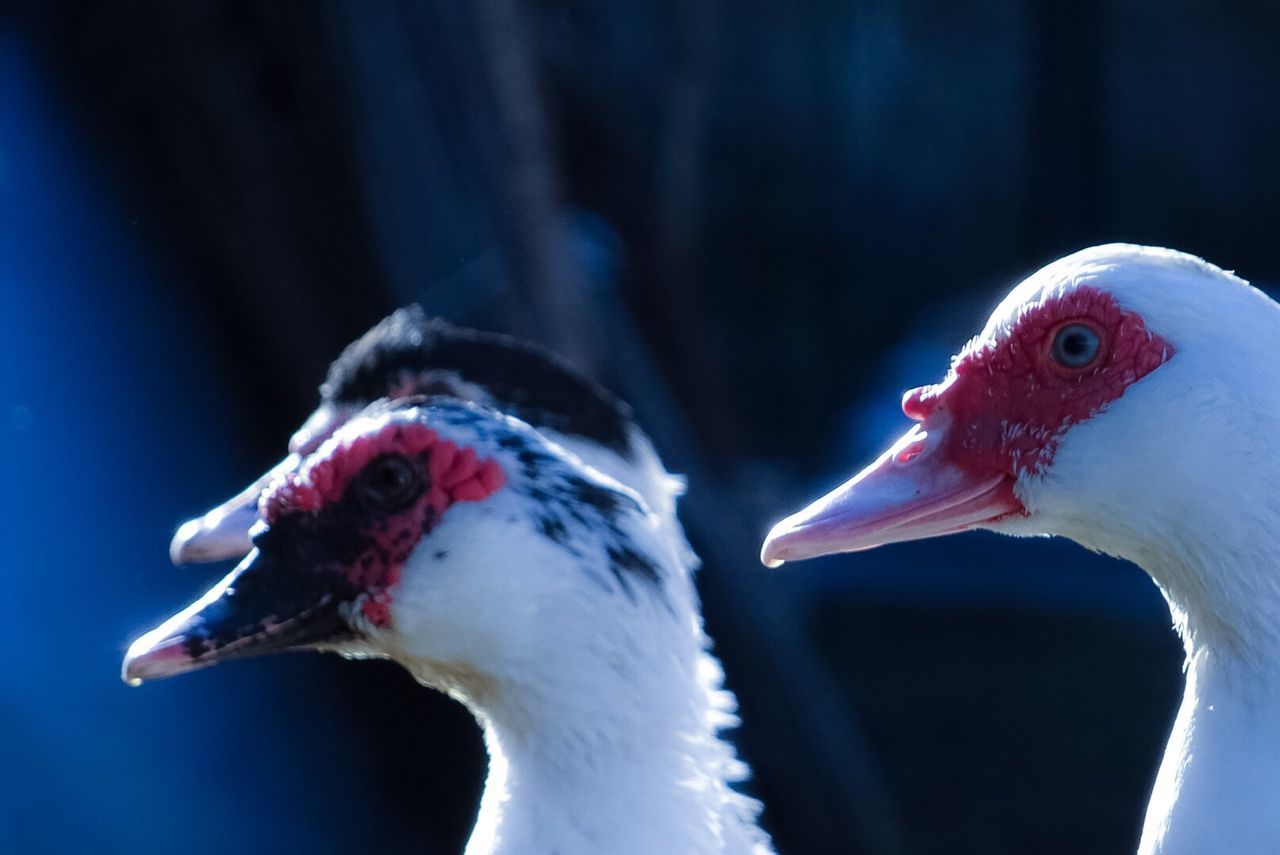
x=1075, y=346
x=390, y=482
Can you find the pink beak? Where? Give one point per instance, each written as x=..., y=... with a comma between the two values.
x=909, y=493
x=223, y=532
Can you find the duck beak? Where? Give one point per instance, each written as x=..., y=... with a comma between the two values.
x=223, y=532
x=910, y=492
x=263, y=606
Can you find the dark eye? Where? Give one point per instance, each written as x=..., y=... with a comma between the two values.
x=390, y=482
x=1076, y=346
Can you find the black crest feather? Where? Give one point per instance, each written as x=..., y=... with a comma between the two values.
x=520, y=377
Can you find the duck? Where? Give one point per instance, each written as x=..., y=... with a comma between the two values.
x=1128, y=398
x=413, y=353
x=499, y=568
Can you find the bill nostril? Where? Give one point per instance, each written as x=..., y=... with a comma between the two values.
x=912, y=446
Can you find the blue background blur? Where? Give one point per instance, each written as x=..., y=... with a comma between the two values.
x=758, y=222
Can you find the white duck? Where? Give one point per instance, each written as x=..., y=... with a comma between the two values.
x=410, y=353
x=1127, y=398
x=502, y=570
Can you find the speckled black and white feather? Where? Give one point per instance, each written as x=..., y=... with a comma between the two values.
x=562, y=614
x=411, y=353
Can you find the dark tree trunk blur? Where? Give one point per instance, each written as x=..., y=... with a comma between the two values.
x=759, y=223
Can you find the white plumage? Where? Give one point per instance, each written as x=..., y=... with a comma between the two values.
x=558, y=609
x=411, y=353
x=1178, y=473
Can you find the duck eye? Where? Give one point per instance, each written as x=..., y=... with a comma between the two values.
x=390, y=482
x=1076, y=346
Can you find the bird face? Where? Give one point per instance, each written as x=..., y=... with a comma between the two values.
x=409, y=354
x=1080, y=401
x=337, y=537
x=451, y=538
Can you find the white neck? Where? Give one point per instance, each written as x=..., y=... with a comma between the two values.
x=1218, y=786
x=560, y=611
x=1213, y=551
x=641, y=770
x=1222, y=590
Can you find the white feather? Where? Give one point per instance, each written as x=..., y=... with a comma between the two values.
x=601, y=708
x=1181, y=475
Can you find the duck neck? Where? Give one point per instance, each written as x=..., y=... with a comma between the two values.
x=624, y=759
x=1214, y=790
x=1222, y=597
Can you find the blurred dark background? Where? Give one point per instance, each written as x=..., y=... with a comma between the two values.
x=758, y=222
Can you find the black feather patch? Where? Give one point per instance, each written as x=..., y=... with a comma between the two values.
x=565, y=501
x=522, y=379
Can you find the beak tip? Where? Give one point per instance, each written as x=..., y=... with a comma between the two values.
x=152, y=657
x=218, y=535
x=183, y=538
x=771, y=553
x=130, y=673
x=223, y=532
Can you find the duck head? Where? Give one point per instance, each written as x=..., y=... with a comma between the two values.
x=410, y=353
x=446, y=536
x=1123, y=396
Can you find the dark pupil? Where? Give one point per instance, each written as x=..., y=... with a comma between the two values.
x=1075, y=346
x=390, y=481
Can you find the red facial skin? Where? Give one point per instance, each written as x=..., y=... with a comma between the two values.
x=1008, y=405
x=451, y=472
x=999, y=414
